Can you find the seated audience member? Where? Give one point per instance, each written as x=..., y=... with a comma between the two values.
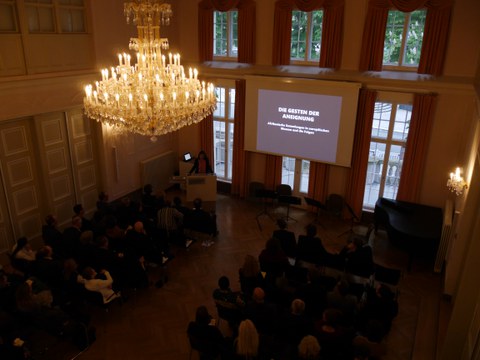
x=149, y=202
x=342, y=300
x=225, y=297
x=23, y=251
x=380, y=305
x=293, y=326
x=170, y=223
x=314, y=294
x=103, y=205
x=371, y=341
x=229, y=303
x=86, y=249
x=126, y=213
x=101, y=284
x=273, y=260
x=247, y=343
x=140, y=244
x=250, y=276
x=333, y=335
x=309, y=348
x=287, y=239
x=115, y=234
x=71, y=239
x=201, y=221
x=262, y=313
x=358, y=258
x=78, y=210
x=51, y=235
x=204, y=336
x=310, y=248
x=177, y=204
x=47, y=269
x=7, y=293
x=22, y=256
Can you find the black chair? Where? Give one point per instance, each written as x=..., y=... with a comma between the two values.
x=318, y=205
x=388, y=276
x=335, y=204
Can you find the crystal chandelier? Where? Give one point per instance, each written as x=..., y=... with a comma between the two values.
x=456, y=183
x=154, y=96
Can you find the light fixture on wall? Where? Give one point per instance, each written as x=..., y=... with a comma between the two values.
x=456, y=183
x=154, y=96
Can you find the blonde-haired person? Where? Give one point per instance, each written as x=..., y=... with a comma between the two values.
x=247, y=342
x=309, y=348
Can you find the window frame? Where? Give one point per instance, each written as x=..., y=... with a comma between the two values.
x=308, y=39
x=57, y=8
x=396, y=100
x=13, y=5
x=298, y=174
x=403, y=47
x=228, y=119
x=229, y=37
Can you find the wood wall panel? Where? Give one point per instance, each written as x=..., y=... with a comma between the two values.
x=57, y=160
x=21, y=183
x=11, y=55
x=20, y=171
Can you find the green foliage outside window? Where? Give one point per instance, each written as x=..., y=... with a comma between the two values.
x=396, y=51
x=306, y=35
x=225, y=33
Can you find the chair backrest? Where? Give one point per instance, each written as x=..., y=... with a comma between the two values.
x=254, y=189
x=284, y=190
x=335, y=204
x=387, y=275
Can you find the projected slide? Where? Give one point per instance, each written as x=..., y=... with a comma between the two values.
x=303, y=125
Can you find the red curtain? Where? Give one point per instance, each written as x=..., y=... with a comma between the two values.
x=246, y=28
x=361, y=145
x=318, y=181
x=273, y=171
x=206, y=136
x=416, y=147
x=435, y=36
x=332, y=30
x=239, y=169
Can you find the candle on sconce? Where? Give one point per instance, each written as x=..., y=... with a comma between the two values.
x=190, y=72
x=120, y=59
x=163, y=60
x=128, y=59
x=170, y=58
x=195, y=73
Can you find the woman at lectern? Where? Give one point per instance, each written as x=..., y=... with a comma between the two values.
x=201, y=164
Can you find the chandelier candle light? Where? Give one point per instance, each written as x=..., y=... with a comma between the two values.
x=456, y=183
x=154, y=96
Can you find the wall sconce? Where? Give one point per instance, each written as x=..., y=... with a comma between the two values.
x=456, y=183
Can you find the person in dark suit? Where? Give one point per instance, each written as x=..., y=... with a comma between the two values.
x=204, y=336
x=71, y=239
x=287, y=239
x=201, y=164
x=310, y=248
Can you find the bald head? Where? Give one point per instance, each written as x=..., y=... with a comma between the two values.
x=138, y=226
x=258, y=295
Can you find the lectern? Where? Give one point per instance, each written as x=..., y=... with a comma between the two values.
x=201, y=186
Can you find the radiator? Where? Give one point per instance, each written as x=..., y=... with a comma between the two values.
x=447, y=234
x=158, y=170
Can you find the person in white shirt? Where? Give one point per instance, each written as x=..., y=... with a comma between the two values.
x=102, y=284
x=23, y=251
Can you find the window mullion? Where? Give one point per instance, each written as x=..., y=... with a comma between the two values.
x=308, y=36
x=406, y=24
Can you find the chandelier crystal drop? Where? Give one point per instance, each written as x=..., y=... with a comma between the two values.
x=154, y=96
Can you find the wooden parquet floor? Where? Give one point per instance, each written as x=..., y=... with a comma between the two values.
x=152, y=323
